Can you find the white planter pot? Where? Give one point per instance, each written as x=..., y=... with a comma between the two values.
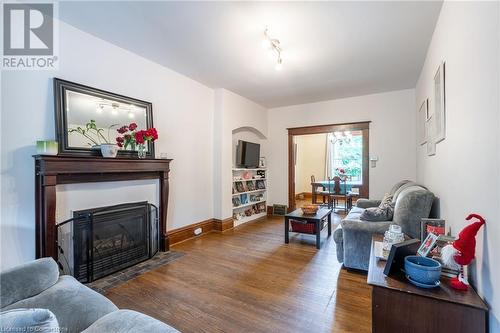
x=109, y=150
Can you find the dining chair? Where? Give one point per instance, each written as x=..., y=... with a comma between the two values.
x=336, y=194
x=318, y=189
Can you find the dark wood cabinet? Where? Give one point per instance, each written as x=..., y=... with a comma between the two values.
x=398, y=306
x=51, y=171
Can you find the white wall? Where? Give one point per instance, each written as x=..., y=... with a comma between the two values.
x=232, y=112
x=465, y=171
x=392, y=136
x=310, y=161
x=183, y=114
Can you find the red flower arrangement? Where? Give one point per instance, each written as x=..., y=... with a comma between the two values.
x=131, y=137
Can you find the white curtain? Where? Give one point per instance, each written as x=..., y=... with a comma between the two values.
x=330, y=139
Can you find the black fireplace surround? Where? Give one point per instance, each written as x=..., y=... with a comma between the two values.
x=108, y=239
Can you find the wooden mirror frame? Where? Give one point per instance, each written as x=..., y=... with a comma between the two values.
x=60, y=87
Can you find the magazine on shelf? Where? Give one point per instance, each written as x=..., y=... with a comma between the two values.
x=244, y=199
x=240, y=187
x=261, y=185
x=250, y=186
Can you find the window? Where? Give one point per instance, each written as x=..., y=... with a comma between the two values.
x=345, y=153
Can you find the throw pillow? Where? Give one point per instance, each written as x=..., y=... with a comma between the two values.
x=28, y=320
x=375, y=214
x=387, y=200
x=384, y=212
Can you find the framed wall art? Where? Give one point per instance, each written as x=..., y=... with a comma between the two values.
x=439, y=104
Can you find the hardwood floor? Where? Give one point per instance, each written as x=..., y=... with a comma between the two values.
x=248, y=280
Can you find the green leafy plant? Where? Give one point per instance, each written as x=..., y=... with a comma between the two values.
x=93, y=133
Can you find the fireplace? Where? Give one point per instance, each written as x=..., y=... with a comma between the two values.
x=104, y=240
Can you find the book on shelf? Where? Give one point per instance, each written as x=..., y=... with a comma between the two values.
x=261, y=185
x=240, y=187
x=250, y=186
x=244, y=199
x=256, y=197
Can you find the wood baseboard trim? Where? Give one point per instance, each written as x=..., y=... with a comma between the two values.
x=223, y=225
x=182, y=234
x=187, y=232
x=307, y=195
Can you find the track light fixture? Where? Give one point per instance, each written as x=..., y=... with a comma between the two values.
x=273, y=45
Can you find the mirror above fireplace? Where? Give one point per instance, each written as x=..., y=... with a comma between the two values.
x=88, y=117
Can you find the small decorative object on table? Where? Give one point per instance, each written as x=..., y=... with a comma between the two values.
x=461, y=253
x=399, y=251
x=109, y=150
x=392, y=236
x=436, y=226
x=340, y=172
x=136, y=139
x=423, y=272
x=309, y=209
x=46, y=147
x=427, y=245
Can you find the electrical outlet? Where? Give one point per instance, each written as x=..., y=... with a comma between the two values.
x=198, y=231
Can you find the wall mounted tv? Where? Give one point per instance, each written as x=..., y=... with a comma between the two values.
x=247, y=154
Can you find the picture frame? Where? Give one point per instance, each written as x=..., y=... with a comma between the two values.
x=436, y=226
x=440, y=104
x=423, y=116
x=395, y=260
x=427, y=245
x=429, y=130
x=431, y=148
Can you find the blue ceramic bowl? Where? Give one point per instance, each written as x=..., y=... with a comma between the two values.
x=422, y=269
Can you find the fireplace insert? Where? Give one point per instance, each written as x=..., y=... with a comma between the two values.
x=104, y=240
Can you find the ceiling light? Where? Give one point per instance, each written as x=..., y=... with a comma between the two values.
x=273, y=45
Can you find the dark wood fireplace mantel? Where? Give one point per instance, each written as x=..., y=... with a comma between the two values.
x=55, y=170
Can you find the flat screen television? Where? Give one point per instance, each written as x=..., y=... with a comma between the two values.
x=247, y=154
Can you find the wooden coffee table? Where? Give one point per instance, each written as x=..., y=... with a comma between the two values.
x=321, y=215
x=399, y=306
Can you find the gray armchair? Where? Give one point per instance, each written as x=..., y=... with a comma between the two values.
x=37, y=284
x=353, y=236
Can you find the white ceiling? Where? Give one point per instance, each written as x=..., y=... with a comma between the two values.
x=331, y=49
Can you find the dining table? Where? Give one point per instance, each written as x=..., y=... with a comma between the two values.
x=345, y=187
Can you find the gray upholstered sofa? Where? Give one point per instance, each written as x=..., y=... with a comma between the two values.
x=37, y=284
x=353, y=236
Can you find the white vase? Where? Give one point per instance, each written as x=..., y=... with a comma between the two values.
x=109, y=150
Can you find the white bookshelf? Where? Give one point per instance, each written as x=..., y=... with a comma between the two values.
x=253, y=206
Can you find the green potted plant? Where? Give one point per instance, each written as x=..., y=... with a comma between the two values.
x=96, y=138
